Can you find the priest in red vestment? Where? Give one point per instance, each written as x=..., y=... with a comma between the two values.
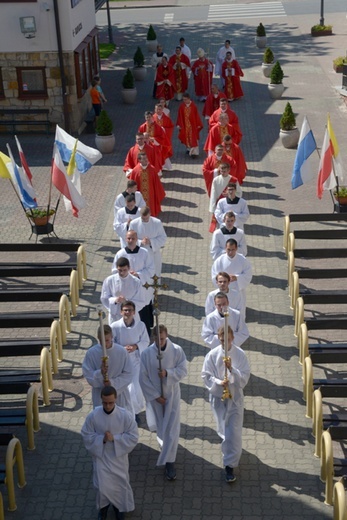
x=165, y=80
x=202, y=71
x=233, y=151
x=141, y=146
x=157, y=135
x=166, y=123
x=210, y=168
x=225, y=109
x=181, y=65
x=218, y=131
x=189, y=125
x=212, y=101
x=231, y=73
x=149, y=184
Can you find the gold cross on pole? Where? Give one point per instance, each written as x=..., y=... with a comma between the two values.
x=155, y=286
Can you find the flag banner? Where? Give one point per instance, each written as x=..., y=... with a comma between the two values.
x=24, y=189
x=85, y=155
x=303, y=170
x=63, y=183
x=23, y=160
x=338, y=167
x=4, y=161
x=326, y=177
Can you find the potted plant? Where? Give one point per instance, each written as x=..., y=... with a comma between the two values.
x=339, y=62
x=268, y=62
x=289, y=133
x=128, y=91
x=260, y=39
x=321, y=30
x=340, y=195
x=275, y=86
x=139, y=71
x=104, y=138
x=151, y=41
x=40, y=216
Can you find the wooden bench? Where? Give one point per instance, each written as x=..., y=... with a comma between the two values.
x=14, y=457
x=15, y=117
x=28, y=416
x=320, y=421
x=330, y=466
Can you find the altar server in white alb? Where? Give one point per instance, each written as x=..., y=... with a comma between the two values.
x=226, y=231
x=152, y=236
x=228, y=412
x=131, y=188
x=238, y=268
x=233, y=203
x=120, y=287
x=109, y=434
x=118, y=369
x=124, y=216
x=223, y=283
x=215, y=319
x=163, y=410
x=131, y=334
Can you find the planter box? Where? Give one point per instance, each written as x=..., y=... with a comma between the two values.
x=338, y=68
x=327, y=32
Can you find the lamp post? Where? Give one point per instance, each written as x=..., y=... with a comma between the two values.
x=321, y=21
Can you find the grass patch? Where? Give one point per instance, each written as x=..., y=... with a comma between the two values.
x=105, y=49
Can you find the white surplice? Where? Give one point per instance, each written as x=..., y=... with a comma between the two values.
x=130, y=287
x=154, y=230
x=214, y=321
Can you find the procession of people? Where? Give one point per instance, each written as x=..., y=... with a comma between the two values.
x=135, y=366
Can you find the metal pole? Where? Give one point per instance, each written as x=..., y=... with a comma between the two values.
x=61, y=67
x=110, y=33
x=321, y=21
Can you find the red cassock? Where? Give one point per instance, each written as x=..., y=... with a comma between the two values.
x=180, y=64
x=165, y=81
x=233, y=119
x=211, y=163
x=212, y=104
x=234, y=152
x=216, y=134
x=202, y=71
x=167, y=124
x=131, y=159
x=149, y=184
x=158, y=134
x=232, y=85
x=190, y=124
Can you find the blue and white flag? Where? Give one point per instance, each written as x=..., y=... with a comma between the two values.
x=303, y=170
x=85, y=155
x=23, y=187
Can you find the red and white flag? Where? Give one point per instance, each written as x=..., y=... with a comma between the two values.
x=326, y=177
x=63, y=183
x=23, y=160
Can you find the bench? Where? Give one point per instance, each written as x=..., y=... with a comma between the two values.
x=14, y=456
x=28, y=416
x=12, y=117
x=321, y=323
x=322, y=421
x=331, y=466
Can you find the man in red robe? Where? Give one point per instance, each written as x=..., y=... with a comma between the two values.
x=218, y=131
x=131, y=159
x=202, y=71
x=210, y=168
x=157, y=135
x=165, y=80
x=181, y=65
x=167, y=124
x=189, y=125
x=148, y=184
x=233, y=151
x=225, y=109
x=231, y=73
x=212, y=101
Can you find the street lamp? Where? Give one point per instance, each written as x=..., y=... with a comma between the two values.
x=321, y=21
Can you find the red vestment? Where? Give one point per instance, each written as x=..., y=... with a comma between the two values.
x=231, y=72
x=165, y=81
x=211, y=163
x=157, y=135
x=233, y=119
x=212, y=103
x=180, y=64
x=149, y=184
x=190, y=124
x=234, y=151
x=167, y=124
x=131, y=159
x=216, y=134
x=202, y=71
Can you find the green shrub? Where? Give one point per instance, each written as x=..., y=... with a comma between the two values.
x=318, y=28
x=139, y=59
x=276, y=75
x=341, y=60
x=104, y=125
x=268, y=56
x=128, y=80
x=151, y=34
x=341, y=192
x=261, y=30
x=106, y=49
x=287, y=121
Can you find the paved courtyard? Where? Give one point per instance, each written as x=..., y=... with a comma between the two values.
x=278, y=475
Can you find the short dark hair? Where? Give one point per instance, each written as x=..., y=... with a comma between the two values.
x=131, y=183
x=122, y=262
x=107, y=331
x=108, y=390
x=231, y=242
x=128, y=303
x=220, y=294
x=224, y=274
x=161, y=328
x=130, y=198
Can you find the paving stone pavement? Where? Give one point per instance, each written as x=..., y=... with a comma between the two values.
x=278, y=475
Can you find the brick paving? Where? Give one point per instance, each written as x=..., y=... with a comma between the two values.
x=278, y=475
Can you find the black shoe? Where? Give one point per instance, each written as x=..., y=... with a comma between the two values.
x=170, y=471
x=119, y=515
x=103, y=513
x=229, y=474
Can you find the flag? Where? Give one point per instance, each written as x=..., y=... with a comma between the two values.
x=72, y=162
x=4, y=160
x=85, y=155
x=63, y=184
x=326, y=177
x=303, y=171
x=24, y=189
x=23, y=160
x=336, y=152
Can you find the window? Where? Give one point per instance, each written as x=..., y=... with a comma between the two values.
x=87, y=62
x=32, y=83
x=2, y=93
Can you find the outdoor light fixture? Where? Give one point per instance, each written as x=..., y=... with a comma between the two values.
x=28, y=26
